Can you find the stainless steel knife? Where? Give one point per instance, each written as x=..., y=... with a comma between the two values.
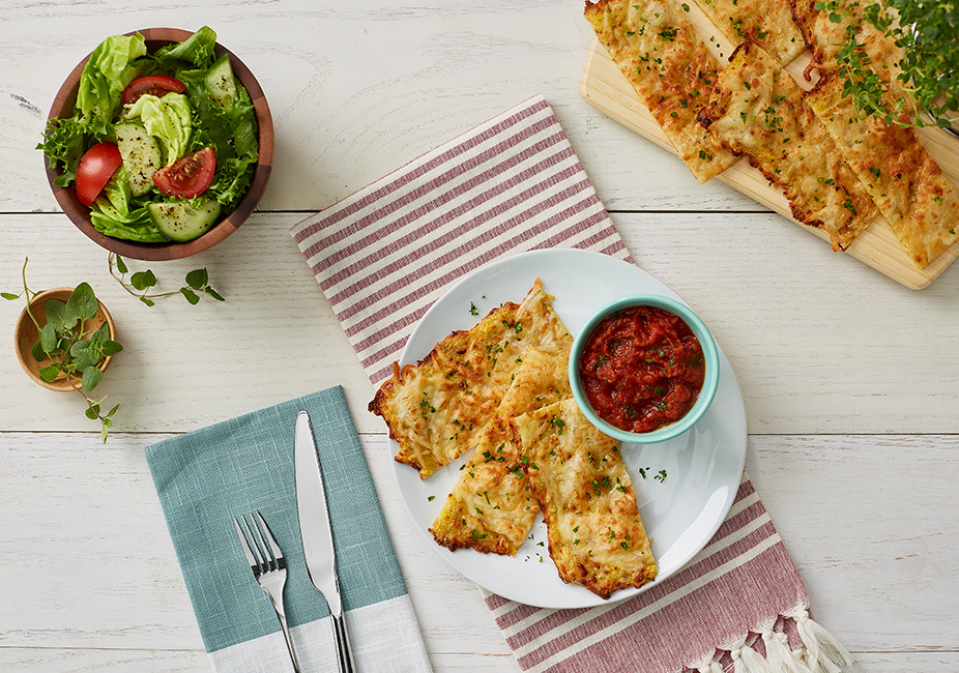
x=317, y=534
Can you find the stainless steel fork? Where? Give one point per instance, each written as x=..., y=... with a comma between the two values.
x=268, y=565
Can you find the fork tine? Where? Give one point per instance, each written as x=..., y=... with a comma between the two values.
x=251, y=538
x=261, y=543
x=244, y=544
x=273, y=544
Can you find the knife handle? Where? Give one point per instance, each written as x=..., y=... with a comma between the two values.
x=343, y=651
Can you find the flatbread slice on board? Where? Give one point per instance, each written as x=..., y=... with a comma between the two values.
x=766, y=23
x=596, y=535
x=438, y=409
x=759, y=111
x=902, y=178
x=657, y=49
x=491, y=508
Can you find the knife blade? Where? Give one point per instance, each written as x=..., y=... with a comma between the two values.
x=317, y=533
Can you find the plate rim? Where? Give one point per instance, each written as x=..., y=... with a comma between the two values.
x=405, y=357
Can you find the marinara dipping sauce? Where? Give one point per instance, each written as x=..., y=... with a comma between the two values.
x=642, y=368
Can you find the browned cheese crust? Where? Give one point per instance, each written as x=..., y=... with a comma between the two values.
x=759, y=111
x=766, y=23
x=905, y=182
x=438, y=409
x=596, y=535
x=657, y=49
x=491, y=508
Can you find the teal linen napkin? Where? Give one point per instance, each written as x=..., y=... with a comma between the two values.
x=206, y=477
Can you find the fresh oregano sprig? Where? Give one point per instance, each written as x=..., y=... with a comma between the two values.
x=76, y=352
x=140, y=283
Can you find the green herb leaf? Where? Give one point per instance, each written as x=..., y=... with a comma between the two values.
x=110, y=347
x=213, y=293
x=91, y=377
x=197, y=279
x=84, y=354
x=121, y=265
x=7, y=295
x=50, y=372
x=142, y=280
x=83, y=302
x=49, y=341
x=60, y=316
x=38, y=353
x=190, y=295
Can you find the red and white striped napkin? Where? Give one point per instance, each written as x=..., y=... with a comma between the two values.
x=383, y=255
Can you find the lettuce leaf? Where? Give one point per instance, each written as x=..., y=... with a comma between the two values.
x=107, y=74
x=196, y=49
x=168, y=118
x=115, y=213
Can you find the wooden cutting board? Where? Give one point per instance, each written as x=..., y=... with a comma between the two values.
x=604, y=87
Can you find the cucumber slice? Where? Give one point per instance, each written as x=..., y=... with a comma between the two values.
x=140, y=154
x=183, y=222
x=220, y=83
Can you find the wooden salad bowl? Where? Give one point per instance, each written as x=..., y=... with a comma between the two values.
x=79, y=214
x=26, y=334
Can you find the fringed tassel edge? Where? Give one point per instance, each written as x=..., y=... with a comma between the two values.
x=820, y=652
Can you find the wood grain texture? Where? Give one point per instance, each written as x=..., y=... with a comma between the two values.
x=827, y=351
x=103, y=589
x=605, y=88
x=820, y=345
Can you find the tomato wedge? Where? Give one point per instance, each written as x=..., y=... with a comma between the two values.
x=156, y=85
x=189, y=176
x=95, y=169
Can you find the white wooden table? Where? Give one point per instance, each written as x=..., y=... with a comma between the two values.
x=850, y=381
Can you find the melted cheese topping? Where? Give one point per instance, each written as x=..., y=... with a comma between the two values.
x=761, y=113
x=491, y=508
x=766, y=23
x=658, y=51
x=897, y=171
x=826, y=38
x=438, y=409
x=596, y=535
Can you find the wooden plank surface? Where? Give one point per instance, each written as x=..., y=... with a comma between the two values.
x=605, y=87
x=102, y=589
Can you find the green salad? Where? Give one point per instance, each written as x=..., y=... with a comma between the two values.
x=160, y=145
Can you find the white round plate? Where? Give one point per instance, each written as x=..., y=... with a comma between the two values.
x=703, y=466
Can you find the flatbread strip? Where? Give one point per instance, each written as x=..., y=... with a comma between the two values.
x=657, y=49
x=596, y=535
x=437, y=409
x=759, y=111
x=767, y=23
x=826, y=38
x=491, y=508
x=905, y=182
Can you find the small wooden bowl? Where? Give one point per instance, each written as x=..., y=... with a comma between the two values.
x=26, y=335
x=80, y=214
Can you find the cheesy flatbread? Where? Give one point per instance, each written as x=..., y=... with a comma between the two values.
x=438, y=409
x=491, y=508
x=767, y=23
x=759, y=111
x=596, y=535
x=905, y=182
x=825, y=33
x=657, y=49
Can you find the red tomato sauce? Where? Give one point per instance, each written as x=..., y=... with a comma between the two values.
x=642, y=368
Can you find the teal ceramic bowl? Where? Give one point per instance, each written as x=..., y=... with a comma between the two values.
x=706, y=395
